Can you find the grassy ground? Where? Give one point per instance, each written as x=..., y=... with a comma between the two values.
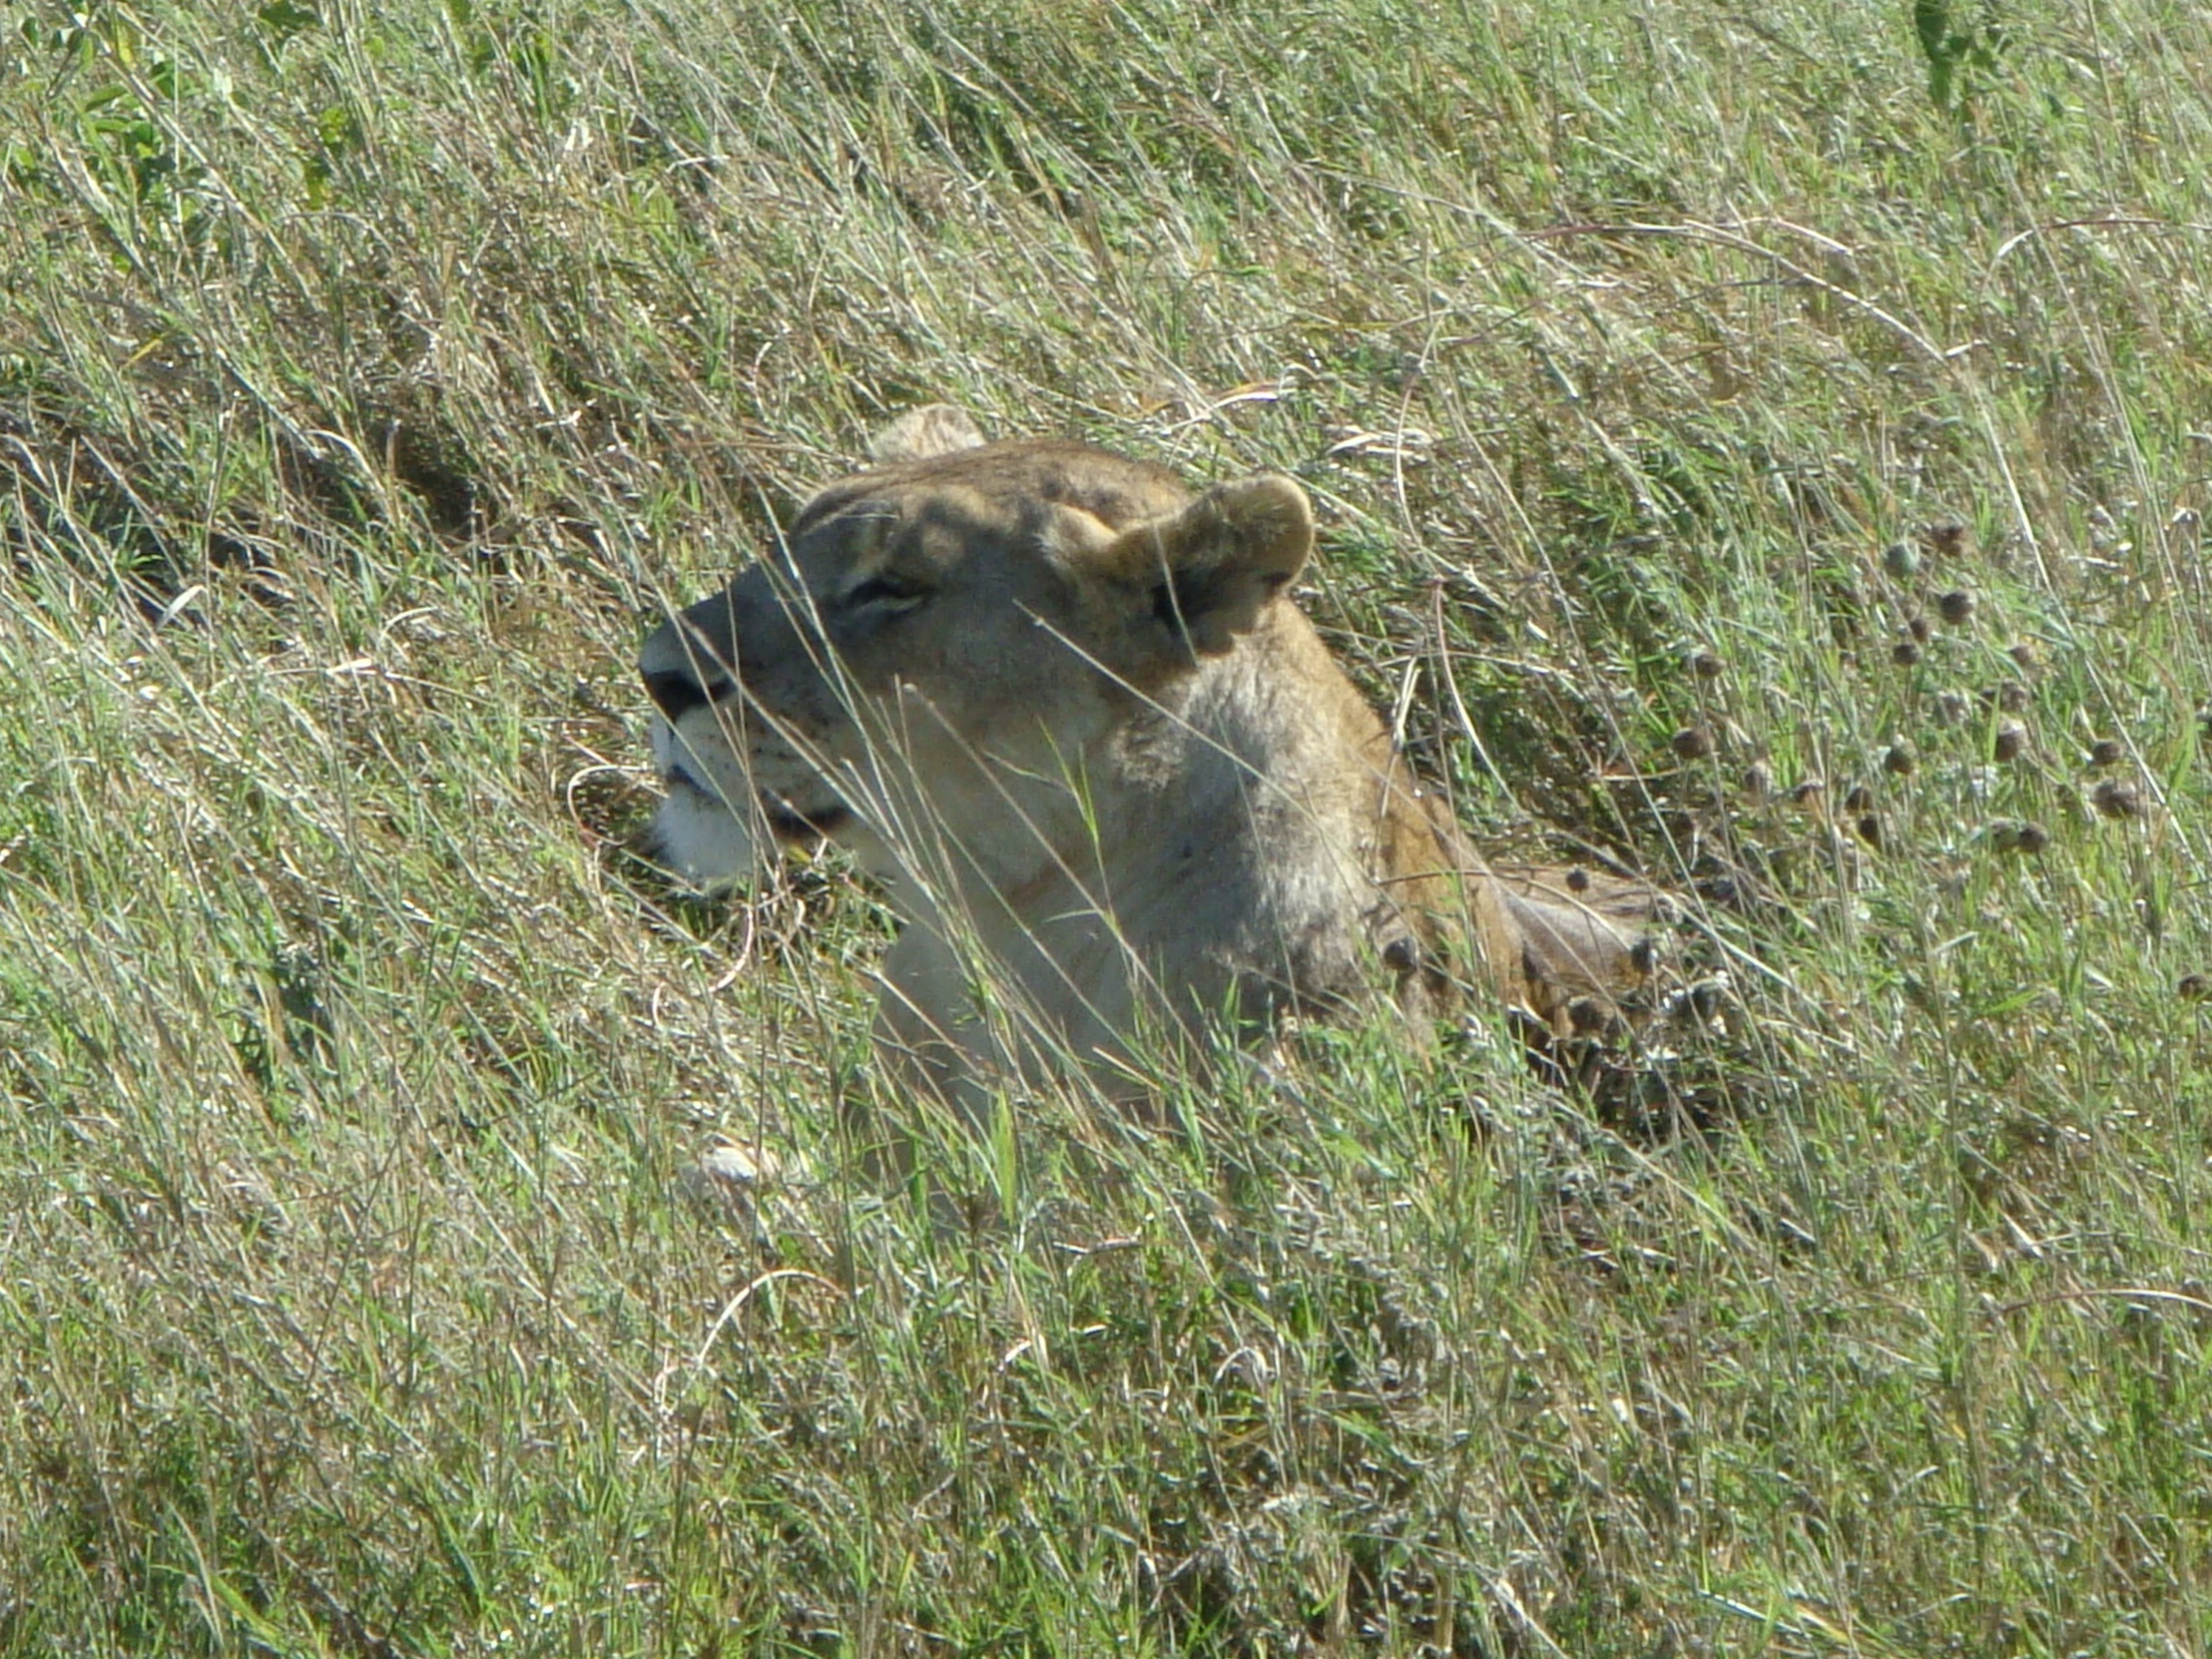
x=1829, y=388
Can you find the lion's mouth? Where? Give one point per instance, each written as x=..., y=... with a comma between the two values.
x=673, y=774
x=788, y=824
x=785, y=822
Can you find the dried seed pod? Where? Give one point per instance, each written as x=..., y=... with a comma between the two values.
x=1807, y=793
x=2194, y=987
x=1946, y=536
x=2011, y=741
x=1916, y=626
x=1900, y=760
x=2005, y=835
x=1950, y=707
x=2117, y=798
x=1899, y=560
x=1905, y=653
x=2106, y=752
x=1643, y=956
x=1956, y=606
x=2012, y=696
x=2025, y=653
x=1758, y=782
x=2033, y=837
x=1692, y=743
x=1705, y=665
x=1869, y=829
x=1590, y=1016
x=1705, y=997
x=1578, y=880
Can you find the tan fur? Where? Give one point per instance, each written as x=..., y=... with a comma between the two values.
x=1068, y=711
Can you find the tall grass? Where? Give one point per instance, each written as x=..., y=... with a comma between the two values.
x=369, y=376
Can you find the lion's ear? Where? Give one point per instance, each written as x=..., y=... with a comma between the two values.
x=916, y=436
x=1208, y=571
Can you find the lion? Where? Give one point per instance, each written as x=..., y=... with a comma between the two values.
x=1068, y=711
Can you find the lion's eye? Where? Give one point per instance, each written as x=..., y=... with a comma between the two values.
x=887, y=593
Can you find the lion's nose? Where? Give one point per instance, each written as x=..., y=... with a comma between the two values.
x=676, y=691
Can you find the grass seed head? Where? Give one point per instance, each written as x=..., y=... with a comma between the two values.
x=1946, y=536
x=2117, y=798
x=1705, y=999
x=1590, y=1016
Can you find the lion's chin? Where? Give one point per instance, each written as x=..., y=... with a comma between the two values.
x=697, y=836
x=702, y=837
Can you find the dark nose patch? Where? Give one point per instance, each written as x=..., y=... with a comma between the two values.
x=676, y=692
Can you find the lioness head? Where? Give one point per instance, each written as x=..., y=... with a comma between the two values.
x=936, y=642
x=1063, y=705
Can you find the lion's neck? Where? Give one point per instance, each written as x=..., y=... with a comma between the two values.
x=1222, y=842
x=1263, y=779
x=1230, y=838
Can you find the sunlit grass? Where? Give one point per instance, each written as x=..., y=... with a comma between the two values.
x=369, y=378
